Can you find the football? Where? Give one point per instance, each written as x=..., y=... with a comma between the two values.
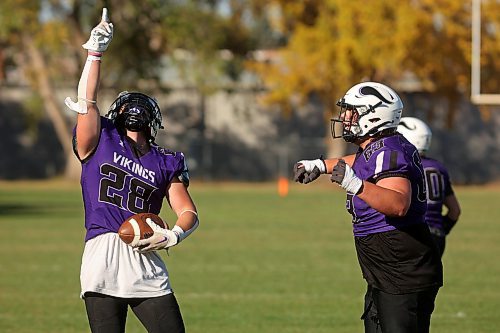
x=135, y=227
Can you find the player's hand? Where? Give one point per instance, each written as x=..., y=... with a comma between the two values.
x=161, y=239
x=306, y=171
x=101, y=35
x=448, y=224
x=344, y=175
x=299, y=173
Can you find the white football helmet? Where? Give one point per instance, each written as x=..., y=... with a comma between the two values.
x=367, y=109
x=417, y=132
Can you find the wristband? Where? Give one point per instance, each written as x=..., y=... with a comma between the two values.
x=181, y=234
x=93, y=58
x=94, y=53
x=351, y=183
x=322, y=158
x=178, y=232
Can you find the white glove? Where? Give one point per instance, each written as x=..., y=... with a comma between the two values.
x=101, y=35
x=306, y=171
x=161, y=239
x=310, y=164
x=344, y=175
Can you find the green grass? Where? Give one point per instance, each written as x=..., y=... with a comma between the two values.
x=258, y=262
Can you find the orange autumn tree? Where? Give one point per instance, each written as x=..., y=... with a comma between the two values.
x=333, y=44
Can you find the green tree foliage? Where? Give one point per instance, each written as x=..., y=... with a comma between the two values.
x=214, y=47
x=146, y=33
x=43, y=39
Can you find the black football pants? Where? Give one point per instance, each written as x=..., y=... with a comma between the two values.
x=406, y=313
x=108, y=314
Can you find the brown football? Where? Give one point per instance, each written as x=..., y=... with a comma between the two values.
x=135, y=227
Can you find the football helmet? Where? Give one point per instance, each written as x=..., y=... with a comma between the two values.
x=136, y=112
x=417, y=132
x=365, y=110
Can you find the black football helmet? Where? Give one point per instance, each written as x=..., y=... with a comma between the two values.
x=136, y=112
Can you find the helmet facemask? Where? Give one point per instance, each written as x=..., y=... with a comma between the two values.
x=136, y=112
x=349, y=121
x=346, y=126
x=134, y=118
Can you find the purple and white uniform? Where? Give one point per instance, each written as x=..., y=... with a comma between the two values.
x=396, y=254
x=439, y=187
x=391, y=156
x=117, y=183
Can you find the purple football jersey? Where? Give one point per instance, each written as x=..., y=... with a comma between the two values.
x=439, y=187
x=391, y=156
x=116, y=183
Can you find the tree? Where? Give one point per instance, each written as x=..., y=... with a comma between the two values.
x=47, y=35
x=22, y=31
x=334, y=44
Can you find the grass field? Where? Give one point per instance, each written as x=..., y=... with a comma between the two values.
x=258, y=262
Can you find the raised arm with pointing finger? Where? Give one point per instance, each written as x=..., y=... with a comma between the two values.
x=88, y=119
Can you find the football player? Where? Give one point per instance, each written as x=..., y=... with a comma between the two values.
x=439, y=189
x=386, y=197
x=124, y=172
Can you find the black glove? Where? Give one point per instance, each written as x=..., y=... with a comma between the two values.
x=338, y=172
x=312, y=176
x=448, y=224
x=299, y=173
